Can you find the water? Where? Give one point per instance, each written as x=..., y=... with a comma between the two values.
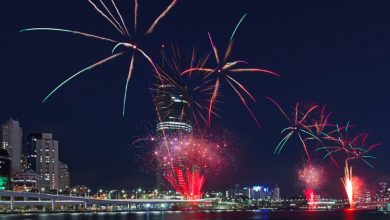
x=209, y=215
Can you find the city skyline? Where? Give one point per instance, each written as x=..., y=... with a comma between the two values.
x=340, y=64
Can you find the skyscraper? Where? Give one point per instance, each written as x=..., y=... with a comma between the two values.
x=64, y=176
x=47, y=161
x=173, y=110
x=31, y=149
x=275, y=193
x=11, y=140
x=173, y=114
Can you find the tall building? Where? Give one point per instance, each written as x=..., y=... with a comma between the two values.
x=31, y=150
x=173, y=110
x=11, y=140
x=174, y=117
x=275, y=193
x=5, y=169
x=64, y=176
x=47, y=161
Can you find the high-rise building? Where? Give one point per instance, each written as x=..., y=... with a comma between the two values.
x=64, y=176
x=275, y=193
x=31, y=149
x=5, y=169
x=11, y=140
x=173, y=110
x=174, y=117
x=47, y=161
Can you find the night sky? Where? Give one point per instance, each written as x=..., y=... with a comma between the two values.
x=330, y=52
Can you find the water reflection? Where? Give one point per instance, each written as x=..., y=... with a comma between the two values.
x=209, y=215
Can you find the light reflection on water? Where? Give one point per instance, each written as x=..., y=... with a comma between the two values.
x=208, y=215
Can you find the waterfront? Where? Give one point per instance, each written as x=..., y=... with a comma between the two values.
x=209, y=215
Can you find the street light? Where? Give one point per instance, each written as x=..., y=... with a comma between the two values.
x=88, y=191
x=74, y=190
x=137, y=193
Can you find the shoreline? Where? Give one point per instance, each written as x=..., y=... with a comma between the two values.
x=179, y=211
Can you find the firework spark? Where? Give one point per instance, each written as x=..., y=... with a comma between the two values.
x=120, y=26
x=302, y=122
x=310, y=196
x=224, y=71
x=311, y=176
x=195, y=90
x=355, y=148
x=348, y=184
x=188, y=161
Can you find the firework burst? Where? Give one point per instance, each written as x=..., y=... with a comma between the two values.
x=187, y=162
x=194, y=89
x=224, y=70
x=114, y=17
x=312, y=177
x=304, y=122
x=355, y=148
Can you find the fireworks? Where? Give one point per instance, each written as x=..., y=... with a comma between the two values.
x=303, y=124
x=188, y=182
x=223, y=71
x=348, y=184
x=117, y=21
x=311, y=123
x=195, y=90
x=355, y=148
x=311, y=176
x=187, y=162
x=310, y=196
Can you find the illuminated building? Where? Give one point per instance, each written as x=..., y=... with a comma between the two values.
x=11, y=140
x=275, y=194
x=172, y=110
x=47, y=161
x=383, y=194
x=31, y=150
x=260, y=193
x=26, y=181
x=64, y=176
x=5, y=169
x=173, y=114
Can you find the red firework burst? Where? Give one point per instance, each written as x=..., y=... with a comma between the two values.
x=186, y=161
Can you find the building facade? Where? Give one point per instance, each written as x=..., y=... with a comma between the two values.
x=64, y=176
x=47, y=164
x=11, y=140
x=275, y=195
x=5, y=169
x=31, y=150
x=27, y=181
x=383, y=193
x=173, y=110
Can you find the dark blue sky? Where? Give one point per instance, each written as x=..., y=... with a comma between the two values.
x=330, y=52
